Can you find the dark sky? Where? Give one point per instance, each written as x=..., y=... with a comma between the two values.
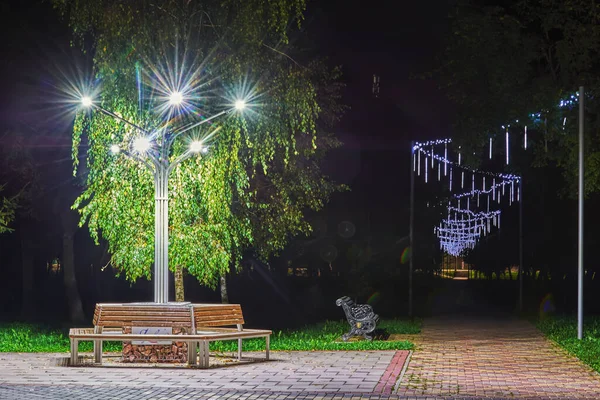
x=390, y=38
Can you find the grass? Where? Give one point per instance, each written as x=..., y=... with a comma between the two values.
x=27, y=338
x=563, y=331
x=30, y=338
x=326, y=336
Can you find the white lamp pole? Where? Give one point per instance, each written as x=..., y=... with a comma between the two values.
x=156, y=158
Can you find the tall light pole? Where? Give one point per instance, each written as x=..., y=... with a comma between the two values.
x=580, y=218
x=154, y=154
x=411, y=231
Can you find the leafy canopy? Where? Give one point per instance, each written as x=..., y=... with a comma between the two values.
x=505, y=60
x=262, y=171
x=8, y=205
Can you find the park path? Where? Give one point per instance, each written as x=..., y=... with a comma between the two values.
x=493, y=357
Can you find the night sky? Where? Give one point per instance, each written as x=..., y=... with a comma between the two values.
x=379, y=37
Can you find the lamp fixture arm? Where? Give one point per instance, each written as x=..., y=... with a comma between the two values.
x=174, y=135
x=112, y=114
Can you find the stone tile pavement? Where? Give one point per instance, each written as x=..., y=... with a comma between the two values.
x=454, y=358
x=490, y=357
x=287, y=374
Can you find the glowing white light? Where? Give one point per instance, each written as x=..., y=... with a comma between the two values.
x=240, y=105
x=196, y=146
x=175, y=99
x=507, y=139
x=115, y=149
x=86, y=101
x=141, y=145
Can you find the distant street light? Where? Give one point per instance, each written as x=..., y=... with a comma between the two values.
x=154, y=154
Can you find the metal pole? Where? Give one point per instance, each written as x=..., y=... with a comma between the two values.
x=410, y=234
x=521, y=245
x=157, y=241
x=580, y=239
x=161, y=235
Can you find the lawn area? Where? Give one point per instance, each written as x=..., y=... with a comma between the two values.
x=563, y=331
x=27, y=338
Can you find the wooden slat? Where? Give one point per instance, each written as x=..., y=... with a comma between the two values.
x=215, y=317
x=217, y=312
x=175, y=338
x=110, y=317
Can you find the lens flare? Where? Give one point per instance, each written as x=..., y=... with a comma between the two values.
x=374, y=299
x=405, y=257
x=547, y=307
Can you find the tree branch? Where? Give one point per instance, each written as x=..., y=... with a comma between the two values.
x=285, y=55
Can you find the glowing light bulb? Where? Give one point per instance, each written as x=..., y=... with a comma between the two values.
x=175, y=99
x=86, y=101
x=141, y=145
x=240, y=105
x=196, y=146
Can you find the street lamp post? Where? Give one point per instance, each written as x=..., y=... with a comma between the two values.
x=156, y=159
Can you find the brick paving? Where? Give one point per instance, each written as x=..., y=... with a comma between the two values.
x=493, y=357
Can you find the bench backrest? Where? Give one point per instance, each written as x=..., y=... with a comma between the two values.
x=159, y=315
x=207, y=315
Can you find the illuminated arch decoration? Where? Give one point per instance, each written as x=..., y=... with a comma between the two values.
x=475, y=195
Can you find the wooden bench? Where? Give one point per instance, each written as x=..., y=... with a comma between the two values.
x=201, y=324
x=210, y=319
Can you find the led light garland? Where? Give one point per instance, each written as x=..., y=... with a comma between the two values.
x=463, y=227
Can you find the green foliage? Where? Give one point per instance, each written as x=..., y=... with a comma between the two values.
x=8, y=205
x=262, y=172
x=563, y=331
x=26, y=338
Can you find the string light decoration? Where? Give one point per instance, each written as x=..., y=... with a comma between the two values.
x=466, y=220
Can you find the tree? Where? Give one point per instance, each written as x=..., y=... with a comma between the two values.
x=7, y=212
x=507, y=60
x=262, y=172
x=517, y=60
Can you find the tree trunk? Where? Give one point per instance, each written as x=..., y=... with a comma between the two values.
x=68, y=263
x=69, y=222
x=224, y=295
x=27, y=301
x=179, y=288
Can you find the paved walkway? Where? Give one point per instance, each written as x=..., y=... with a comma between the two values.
x=494, y=358
x=288, y=374
x=454, y=358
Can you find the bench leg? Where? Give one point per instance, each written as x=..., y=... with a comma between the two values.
x=98, y=351
x=239, y=349
x=204, y=354
x=192, y=353
x=74, y=352
x=267, y=340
